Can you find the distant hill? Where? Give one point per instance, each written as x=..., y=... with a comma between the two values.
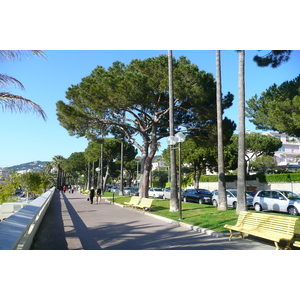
x=34, y=166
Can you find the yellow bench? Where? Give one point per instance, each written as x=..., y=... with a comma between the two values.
x=144, y=204
x=271, y=227
x=297, y=244
x=134, y=200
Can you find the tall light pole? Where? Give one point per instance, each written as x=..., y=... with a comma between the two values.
x=172, y=140
x=180, y=139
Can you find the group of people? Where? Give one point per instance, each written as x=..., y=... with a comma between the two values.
x=70, y=188
x=92, y=195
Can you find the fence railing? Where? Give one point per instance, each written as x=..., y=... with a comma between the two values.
x=17, y=231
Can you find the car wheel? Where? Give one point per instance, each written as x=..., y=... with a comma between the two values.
x=257, y=207
x=234, y=204
x=184, y=199
x=200, y=201
x=292, y=210
x=214, y=202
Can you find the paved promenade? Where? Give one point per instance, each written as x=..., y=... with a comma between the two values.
x=72, y=223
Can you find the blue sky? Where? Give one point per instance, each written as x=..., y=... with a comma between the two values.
x=27, y=137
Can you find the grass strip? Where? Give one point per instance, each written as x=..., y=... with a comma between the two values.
x=202, y=215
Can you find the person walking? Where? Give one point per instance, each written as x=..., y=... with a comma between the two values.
x=92, y=195
x=98, y=194
x=64, y=188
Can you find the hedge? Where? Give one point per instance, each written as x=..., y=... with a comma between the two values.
x=288, y=177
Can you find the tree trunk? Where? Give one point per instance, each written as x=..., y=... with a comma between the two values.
x=241, y=180
x=107, y=174
x=146, y=165
x=221, y=169
x=174, y=205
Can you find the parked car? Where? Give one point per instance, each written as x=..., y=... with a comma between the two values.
x=156, y=192
x=108, y=187
x=127, y=190
x=115, y=189
x=200, y=196
x=252, y=193
x=167, y=193
x=231, y=198
x=134, y=191
x=277, y=200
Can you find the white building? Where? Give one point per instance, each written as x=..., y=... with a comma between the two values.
x=3, y=174
x=286, y=156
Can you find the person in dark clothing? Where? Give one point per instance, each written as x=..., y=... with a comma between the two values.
x=92, y=195
x=98, y=194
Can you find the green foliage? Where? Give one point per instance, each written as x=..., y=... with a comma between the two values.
x=8, y=189
x=31, y=182
x=257, y=144
x=263, y=163
x=289, y=177
x=278, y=108
x=133, y=100
x=274, y=58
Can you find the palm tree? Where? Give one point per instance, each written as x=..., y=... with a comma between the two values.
x=174, y=201
x=221, y=169
x=15, y=102
x=241, y=180
x=56, y=162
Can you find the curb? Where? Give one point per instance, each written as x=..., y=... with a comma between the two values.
x=178, y=223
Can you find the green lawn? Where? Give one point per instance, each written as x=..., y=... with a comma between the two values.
x=202, y=215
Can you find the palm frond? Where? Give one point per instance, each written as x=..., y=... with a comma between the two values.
x=16, y=103
x=17, y=54
x=5, y=80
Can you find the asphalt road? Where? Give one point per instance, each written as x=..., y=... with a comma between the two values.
x=72, y=223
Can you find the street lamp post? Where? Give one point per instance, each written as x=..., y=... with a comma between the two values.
x=180, y=138
x=172, y=140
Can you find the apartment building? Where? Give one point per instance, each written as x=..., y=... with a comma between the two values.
x=287, y=155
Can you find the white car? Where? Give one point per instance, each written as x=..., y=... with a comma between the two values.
x=277, y=200
x=156, y=193
x=167, y=193
x=231, y=198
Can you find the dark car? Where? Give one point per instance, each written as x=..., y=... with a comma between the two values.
x=200, y=196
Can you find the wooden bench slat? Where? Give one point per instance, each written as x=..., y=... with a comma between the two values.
x=297, y=244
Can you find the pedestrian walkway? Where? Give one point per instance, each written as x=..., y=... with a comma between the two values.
x=72, y=223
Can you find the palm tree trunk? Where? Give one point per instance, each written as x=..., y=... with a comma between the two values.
x=221, y=169
x=174, y=205
x=241, y=180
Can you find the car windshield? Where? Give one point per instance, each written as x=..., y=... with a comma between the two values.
x=234, y=193
x=157, y=190
x=290, y=195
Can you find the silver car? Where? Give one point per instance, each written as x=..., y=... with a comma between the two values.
x=277, y=200
x=231, y=198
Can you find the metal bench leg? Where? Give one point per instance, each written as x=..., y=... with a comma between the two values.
x=235, y=235
x=287, y=247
